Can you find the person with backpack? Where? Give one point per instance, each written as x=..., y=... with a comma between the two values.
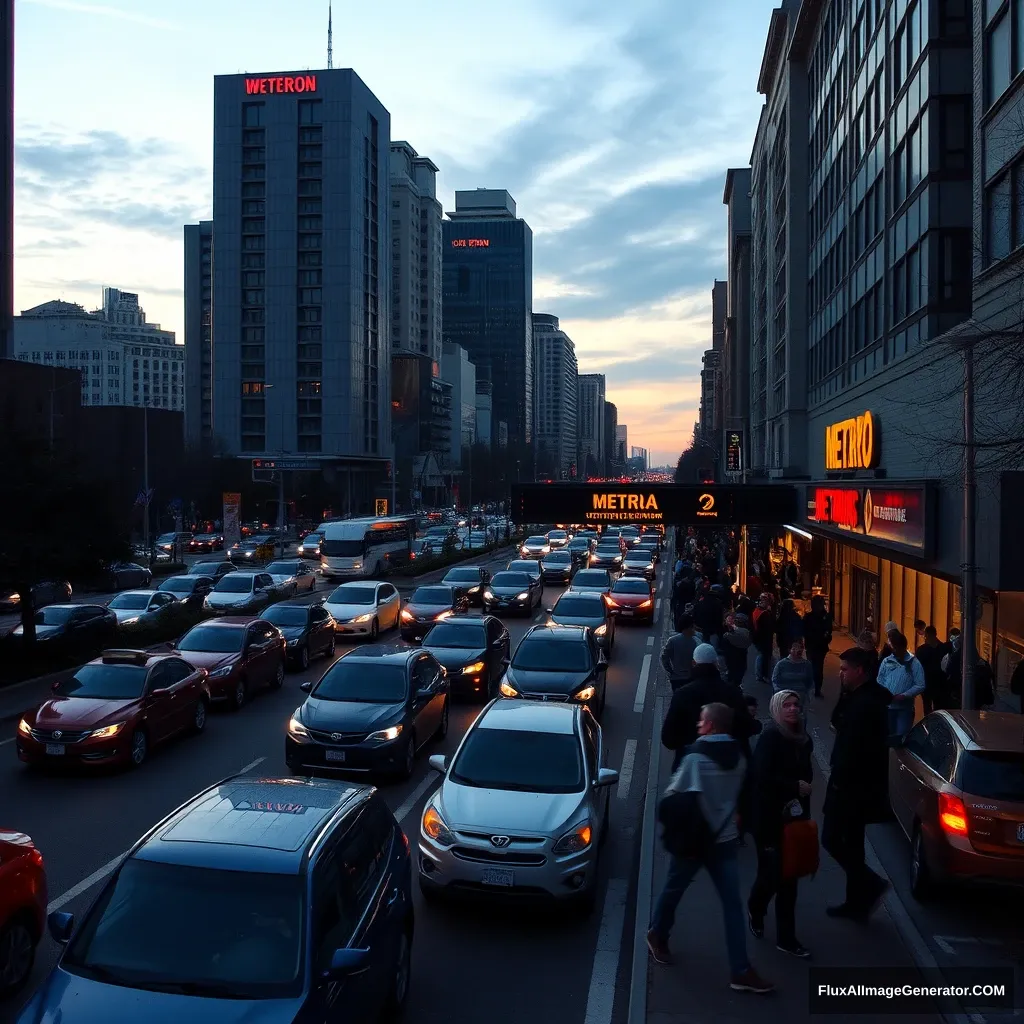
x=902, y=675
x=698, y=814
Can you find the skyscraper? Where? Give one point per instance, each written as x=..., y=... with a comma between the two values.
x=488, y=300
x=591, y=419
x=6, y=178
x=612, y=464
x=199, y=333
x=555, y=398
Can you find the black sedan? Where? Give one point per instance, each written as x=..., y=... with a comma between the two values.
x=127, y=576
x=559, y=663
x=557, y=567
x=206, y=542
x=214, y=569
x=371, y=711
x=73, y=626
x=607, y=556
x=475, y=651
x=637, y=562
x=308, y=629
x=528, y=565
x=513, y=592
x=585, y=609
x=49, y=592
x=468, y=581
x=580, y=549
x=190, y=589
x=427, y=606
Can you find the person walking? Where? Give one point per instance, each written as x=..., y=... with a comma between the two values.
x=789, y=628
x=709, y=614
x=764, y=638
x=857, y=791
x=902, y=675
x=794, y=672
x=735, y=645
x=677, y=654
x=929, y=654
x=818, y=639
x=780, y=776
x=714, y=771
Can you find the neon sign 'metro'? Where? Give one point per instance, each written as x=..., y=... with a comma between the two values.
x=471, y=243
x=280, y=83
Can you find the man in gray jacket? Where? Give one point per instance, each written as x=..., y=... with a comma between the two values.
x=714, y=768
x=677, y=654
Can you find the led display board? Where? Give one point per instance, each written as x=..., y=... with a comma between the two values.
x=279, y=83
x=892, y=514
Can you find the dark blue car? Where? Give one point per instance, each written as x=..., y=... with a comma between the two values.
x=260, y=900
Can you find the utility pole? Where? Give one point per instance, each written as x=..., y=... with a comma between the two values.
x=330, y=39
x=968, y=586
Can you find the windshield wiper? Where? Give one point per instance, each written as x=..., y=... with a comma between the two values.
x=210, y=989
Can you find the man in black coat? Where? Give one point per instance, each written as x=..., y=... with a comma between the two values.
x=858, y=786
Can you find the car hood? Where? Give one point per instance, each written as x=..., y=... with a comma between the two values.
x=209, y=659
x=423, y=611
x=229, y=599
x=74, y=1000
x=78, y=712
x=509, y=591
x=532, y=681
x=345, y=612
x=506, y=812
x=592, y=621
x=456, y=657
x=292, y=632
x=629, y=600
x=347, y=716
x=129, y=613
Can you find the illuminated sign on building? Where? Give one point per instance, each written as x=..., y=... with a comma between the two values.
x=279, y=84
x=734, y=451
x=896, y=515
x=471, y=243
x=706, y=507
x=852, y=444
x=626, y=502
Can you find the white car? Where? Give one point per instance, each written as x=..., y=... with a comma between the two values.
x=134, y=605
x=240, y=592
x=535, y=547
x=292, y=576
x=523, y=805
x=364, y=608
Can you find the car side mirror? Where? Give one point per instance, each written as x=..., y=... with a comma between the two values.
x=606, y=777
x=347, y=963
x=438, y=762
x=61, y=926
x=307, y=686
x=160, y=691
x=550, y=611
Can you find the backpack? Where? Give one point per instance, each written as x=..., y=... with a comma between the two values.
x=686, y=832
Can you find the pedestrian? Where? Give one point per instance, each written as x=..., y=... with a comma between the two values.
x=703, y=832
x=789, y=627
x=709, y=614
x=857, y=791
x=902, y=675
x=794, y=672
x=817, y=639
x=735, y=645
x=1017, y=683
x=677, y=654
x=866, y=642
x=764, y=638
x=929, y=654
x=780, y=777
x=890, y=628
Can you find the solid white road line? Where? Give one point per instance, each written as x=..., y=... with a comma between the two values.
x=641, y=686
x=3, y=743
x=626, y=771
x=601, y=997
x=86, y=883
x=414, y=797
x=252, y=764
x=657, y=609
x=650, y=641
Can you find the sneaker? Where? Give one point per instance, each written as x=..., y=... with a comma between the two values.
x=755, y=924
x=750, y=981
x=795, y=950
x=659, y=949
x=843, y=910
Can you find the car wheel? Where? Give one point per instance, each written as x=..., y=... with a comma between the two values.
x=409, y=757
x=139, y=748
x=922, y=885
x=17, y=955
x=374, y=630
x=398, y=994
x=278, y=681
x=304, y=657
x=240, y=696
x=199, y=717
x=331, y=646
x=442, y=729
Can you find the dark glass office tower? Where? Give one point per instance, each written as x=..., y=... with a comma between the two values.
x=487, y=284
x=6, y=179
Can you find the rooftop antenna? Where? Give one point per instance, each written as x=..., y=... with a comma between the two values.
x=330, y=39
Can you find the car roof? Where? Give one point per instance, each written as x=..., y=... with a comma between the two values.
x=593, y=572
x=251, y=824
x=562, y=634
x=392, y=654
x=529, y=716
x=460, y=568
x=595, y=599
x=152, y=657
x=433, y=586
x=356, y=584
x=229, y=621
x=988, y=730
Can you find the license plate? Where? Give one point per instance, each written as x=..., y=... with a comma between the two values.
x=502, y=878
x=1020, y=832
x=335, y=755
x=55, y=749
x=627, y=612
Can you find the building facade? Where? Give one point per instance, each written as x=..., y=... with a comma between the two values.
x=301, y=237
x=613, y=464
x=556, y=433
x=488, y=300
x=621, y=443
x=591, y=392
x=421, y=405
x=711, y=397
x=199, y=334
x=415, y=253
x=460, y=374
x=484, y=413
x=6, y=178
x=736, y=342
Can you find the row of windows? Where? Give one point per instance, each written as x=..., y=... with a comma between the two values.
x=1004, y=214
x=1004, y=47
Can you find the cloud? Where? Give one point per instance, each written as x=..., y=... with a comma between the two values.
x=60, y=159
x=48, y=246
x=102, y=11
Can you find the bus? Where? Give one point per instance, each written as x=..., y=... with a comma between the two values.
x=354, y=548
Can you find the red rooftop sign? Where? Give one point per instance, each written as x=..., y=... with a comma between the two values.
x=280, y=83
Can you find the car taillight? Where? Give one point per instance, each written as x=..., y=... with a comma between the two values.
x=952, y=814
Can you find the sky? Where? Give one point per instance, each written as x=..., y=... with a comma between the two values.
x=611, y=125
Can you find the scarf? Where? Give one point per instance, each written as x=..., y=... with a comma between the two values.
x=798, y=734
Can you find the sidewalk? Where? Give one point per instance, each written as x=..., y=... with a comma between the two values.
x=695, y=988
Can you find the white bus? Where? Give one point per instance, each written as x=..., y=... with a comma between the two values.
x=353, y=548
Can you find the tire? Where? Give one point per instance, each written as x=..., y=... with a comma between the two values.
x=199, y=716
x=398, y=991
x=139, y=748
x=442, y=729
x=241, y=695
x=374, y=631
x=922, y=884
x=304, y=657
x=17, y=954
x=278, y=681
x=409, y=757
x=331, y=646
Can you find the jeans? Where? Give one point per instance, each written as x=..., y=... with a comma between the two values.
x=842, y=836
x=723, y=866
x=901, y=719
x=817, y=660
x=769, y=883
x=763, y=663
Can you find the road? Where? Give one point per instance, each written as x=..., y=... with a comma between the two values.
x=462, y=956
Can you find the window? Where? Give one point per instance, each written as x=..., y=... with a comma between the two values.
x=335, y=913
x=997, y=58
x=252, y=115
x=998, y=220
x=955, y=133
x=311, y=112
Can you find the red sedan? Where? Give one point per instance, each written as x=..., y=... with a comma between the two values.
x=632, y=599
x=22, y=908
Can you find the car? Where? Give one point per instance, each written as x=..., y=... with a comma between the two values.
x=173, y=543
x=428, y=605
x=206, y=542
x=309, y=546
x=608, y=555
x=277, y=900
x=591, y=581
x=590, y=535
x=513, y=591
x=652, y=534
x=557, y=567
x=530, y=566
x=72, y=625
x=558, y=663
x=637, y=562
x=575, y=608
x=557, y=539
x=522, y=809
x=239, y=653
x=261, y=547
x=364, y=608
x=292, y=576
x=579, y=548
x=214, y=569
x=467, y=581
x=140, y=605
x=113, y=710
x=189, y=589
x=121, y=575
x=241, y=593
x=956, y=784
x=651, y=548
x=23, y=897
x=535, y=547
x=48, y=592
x=308, y=630
x=632, y=599
x=631, y=536
x=474, y=651
x=372, y=711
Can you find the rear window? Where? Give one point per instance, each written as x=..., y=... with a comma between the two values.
x=559, y=558
x=993, y=776
x=463, y=576
x=631, y=587
x=580, y=607
x=591, y=578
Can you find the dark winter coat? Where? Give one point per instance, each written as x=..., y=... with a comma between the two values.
x=817, y=631
x=858, y=787
x=778, y=766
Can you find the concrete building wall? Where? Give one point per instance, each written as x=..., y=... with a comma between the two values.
x=199, y=333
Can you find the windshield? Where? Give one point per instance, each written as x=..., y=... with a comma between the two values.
x=580, y=607
x=312, y=539
x=431, y=595
x=464, y=576
x=166, y=538
x=631, y=587
x=179, y=584
x=283, y=568
x=536, y=542
x=363, y=683
x=205, y=568
x=353, y=595
x=529, y=762
x=993, y=776
x=557, y=535
x=235, y=583
x=212, y=640
x=579, y=545
x=105, y=682
x=287, y=614
x=221, y=933
x=342, y=548
x=608, y=549
x=546, y=655
x=55, y=615
x=513, y=580
x=591, y=578
x=559, y=558
x=641, y=557
x=130, y=601
x=456, y=634
x=530, y=568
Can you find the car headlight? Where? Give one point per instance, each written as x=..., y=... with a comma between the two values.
x=297, y=729
x=106, y=731
x=587, y=693
x=474, y=590
x=645, y=604
x=575, y=841
x=523, y=596
x=24, y=728
x=434, y=827
x=293, y=641
x=128, y=622
x=357, y=565
x=386, y=735
x=443, y=615
x=472, y=670
x=507, y=690
x=407, y=616
x=363, y=618
x=221, y=673
x=489, y=595
x=601, y=630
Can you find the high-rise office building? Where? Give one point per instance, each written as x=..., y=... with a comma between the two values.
x=415, y=253
x=735, y=364
x=301, y=317
x=6, y=178
x=487, y=255
x=555, y=398
x=621, y=443
x=591, y=423
x=460, y=374
x=199, y=334
x=710, y=397
x=613, y=465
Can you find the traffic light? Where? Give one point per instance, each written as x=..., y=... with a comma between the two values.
x=381, y=506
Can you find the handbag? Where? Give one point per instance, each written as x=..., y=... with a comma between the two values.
x=801, y=855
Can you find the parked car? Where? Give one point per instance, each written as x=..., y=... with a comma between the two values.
x=428, y=605
x=308, y=629
x=364, y=608
x=23, y=897
x=122, y=575
x=467, y=581
x=574, y=608
x=140, y=605
x=241, y=593
x=189, y=589
x=77, y=626
x=48, y=592
x=214, y=569
x=474, y=651
x=292, y=576
x=512, y=592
